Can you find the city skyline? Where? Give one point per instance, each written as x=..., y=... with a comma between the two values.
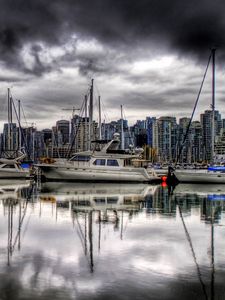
x=163, y=139
x=68, y=117
x=146, y=55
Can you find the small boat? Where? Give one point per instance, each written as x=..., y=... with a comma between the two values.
x=106, y=163
x=200, y=176
x=11, y=168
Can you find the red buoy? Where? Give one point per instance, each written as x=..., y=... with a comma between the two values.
x=164, y=178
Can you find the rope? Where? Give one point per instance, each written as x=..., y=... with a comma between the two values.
x=22, y=133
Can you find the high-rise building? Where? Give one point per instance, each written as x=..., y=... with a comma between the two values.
x=10, y=137
x=184, y=140
x=167, y=138
x=80, y=131
x=196, y=142
x=63, y=132
x=139, y=133
x=206, y=122
x=47, y=140
x=152, y=133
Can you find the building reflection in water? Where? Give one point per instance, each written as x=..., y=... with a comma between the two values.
x=92, y=208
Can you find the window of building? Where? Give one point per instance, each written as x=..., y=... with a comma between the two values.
x=112, y=162
x=99, y=162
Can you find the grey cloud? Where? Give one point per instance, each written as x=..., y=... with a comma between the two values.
x=188, y=28
x=127, y=31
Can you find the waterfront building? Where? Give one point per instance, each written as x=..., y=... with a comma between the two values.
x=196, y=142
x=47, y=141
x=220, y=146
x=223, y=123
x=185, y=144
x=167, y=139
x=39, y=146
x=206, y=122
x=10, y=137
x=28, y=141
x=108, y=130
x=152, y=132
x=80, y=133
x=151, y=148
x=63, y=130
x=139, y=133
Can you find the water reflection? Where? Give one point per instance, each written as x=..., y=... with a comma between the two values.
x=103, y=241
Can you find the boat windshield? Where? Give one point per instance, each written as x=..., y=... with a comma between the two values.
x=8, y=167
x=80, y=158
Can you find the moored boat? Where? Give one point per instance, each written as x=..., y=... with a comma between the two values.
x=106, y=163
x=199, y=176
x=11, y=168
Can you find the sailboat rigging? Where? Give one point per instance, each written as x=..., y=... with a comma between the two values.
x=212, y=174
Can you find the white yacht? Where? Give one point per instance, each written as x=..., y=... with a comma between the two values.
x=105, y=164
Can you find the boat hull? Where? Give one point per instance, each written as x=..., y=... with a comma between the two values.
x=14, y=174
x=199, y=176
x=60, y=173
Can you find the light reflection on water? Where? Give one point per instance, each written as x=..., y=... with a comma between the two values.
x=110, y=241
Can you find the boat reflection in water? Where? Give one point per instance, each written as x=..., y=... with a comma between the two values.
x=212, y=201
x=99, y=203
x=103, y=241
x=98, y=196
x=14, y=193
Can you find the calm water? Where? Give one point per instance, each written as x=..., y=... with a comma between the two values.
x=110, y=241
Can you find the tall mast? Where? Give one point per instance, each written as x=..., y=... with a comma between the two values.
x=122, y=133
x=85, y=122
x=213, y=101
x=91, y=112
x=19, y=118
x=9, y=120
x=100, y=119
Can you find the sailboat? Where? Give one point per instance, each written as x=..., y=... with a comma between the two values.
x=10, y=166
x=212, y=174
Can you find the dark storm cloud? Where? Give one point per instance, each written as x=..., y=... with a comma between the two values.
x=187, y=27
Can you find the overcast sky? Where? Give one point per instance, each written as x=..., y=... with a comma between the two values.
x=149, y=55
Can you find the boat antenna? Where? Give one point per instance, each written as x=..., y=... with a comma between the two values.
x=192, y=115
